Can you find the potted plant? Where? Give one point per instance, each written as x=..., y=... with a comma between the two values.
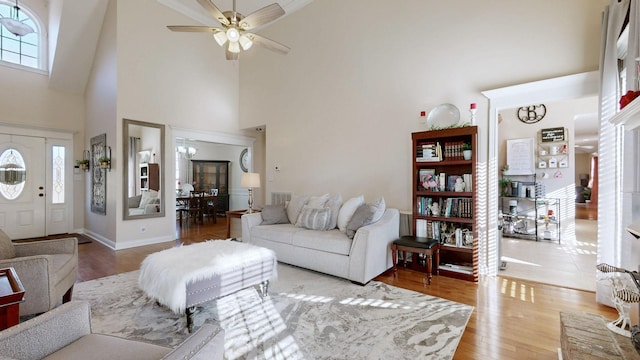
x=83, y=164
x=586, y=192
x=104, y=162
x=505, y=187
x=466, y=151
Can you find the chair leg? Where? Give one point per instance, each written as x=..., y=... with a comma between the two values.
x=67, y=296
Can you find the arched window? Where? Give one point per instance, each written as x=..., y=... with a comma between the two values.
x=23, y=50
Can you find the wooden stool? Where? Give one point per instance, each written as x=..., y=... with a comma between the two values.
x=418, y=245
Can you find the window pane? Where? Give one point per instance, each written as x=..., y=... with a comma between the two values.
x=27, y=61
x=57, y=164
x=10, y=57
x=11, y=45
x=29, y=50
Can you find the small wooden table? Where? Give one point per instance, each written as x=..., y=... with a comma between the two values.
x=418, y=245
x=235, y=214
x=11, y=295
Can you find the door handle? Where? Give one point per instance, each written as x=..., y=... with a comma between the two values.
x=40, y=187
x=41, y=194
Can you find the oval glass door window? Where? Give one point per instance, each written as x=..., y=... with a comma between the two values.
x=13, y=173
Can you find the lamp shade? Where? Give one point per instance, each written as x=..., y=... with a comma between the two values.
x=250, y=180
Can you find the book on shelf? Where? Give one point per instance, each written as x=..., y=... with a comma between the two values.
x=421, y=228
x=430, y=152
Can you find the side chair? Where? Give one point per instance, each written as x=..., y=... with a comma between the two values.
x=47, y=269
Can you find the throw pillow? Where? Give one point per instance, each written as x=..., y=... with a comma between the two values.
x=334, y=203
x=347, y=210
x=147, y=198
x=295, y=205
x=318, y=201
x=314, y=218
x=274, y=214
x=361, y=217
x=7, y=251
x=379, y=206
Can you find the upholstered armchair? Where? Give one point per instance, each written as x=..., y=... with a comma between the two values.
x=65, y=333
x=47, y=270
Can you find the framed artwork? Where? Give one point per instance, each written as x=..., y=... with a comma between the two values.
x=98, y=176
x=520, y=157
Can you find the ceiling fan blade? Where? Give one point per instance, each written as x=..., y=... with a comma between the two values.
x=186, y=28
x=214, y=11
x=268, y=43
x=231, y=55
x=263, y=16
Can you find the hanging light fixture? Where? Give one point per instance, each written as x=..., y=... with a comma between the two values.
x=14, y=25
x=11, y=173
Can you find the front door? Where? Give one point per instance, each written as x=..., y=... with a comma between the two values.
x=22, y=186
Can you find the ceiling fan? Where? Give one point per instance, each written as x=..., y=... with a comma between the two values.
x=234, y=32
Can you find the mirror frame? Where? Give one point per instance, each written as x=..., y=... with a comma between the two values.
x=125, y=170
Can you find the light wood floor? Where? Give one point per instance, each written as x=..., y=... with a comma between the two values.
x=512, y=319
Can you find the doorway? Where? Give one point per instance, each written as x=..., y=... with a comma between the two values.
x=36, y=197
x=559, y=254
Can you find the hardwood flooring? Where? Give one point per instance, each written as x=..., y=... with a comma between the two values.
x=512, y=319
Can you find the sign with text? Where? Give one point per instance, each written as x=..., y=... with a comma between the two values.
x=552, y=134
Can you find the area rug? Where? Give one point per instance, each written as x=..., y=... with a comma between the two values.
x=307, y=315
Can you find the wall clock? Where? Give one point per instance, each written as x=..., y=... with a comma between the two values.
x=244, y=160
x=532, y=114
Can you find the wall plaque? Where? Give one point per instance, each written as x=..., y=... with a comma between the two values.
x=552, y=134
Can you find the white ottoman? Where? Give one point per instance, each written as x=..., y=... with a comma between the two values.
x=183, y=277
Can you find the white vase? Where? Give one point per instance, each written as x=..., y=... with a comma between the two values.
x=466, y=154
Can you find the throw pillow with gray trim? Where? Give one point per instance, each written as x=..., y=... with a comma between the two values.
x=295, y=205
x=334, y=203
x=361, y=217
x=314, y=218
x=7, y=251
x=274, y=214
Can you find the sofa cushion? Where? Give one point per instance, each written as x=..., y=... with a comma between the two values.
x=274, y=214
x=295, y=205
x=314, y=218
x=379, y=207
x=317, y=201
x=363, y=216
x=147, y=198
x=98, y=346
x=334, y=203
x=332, y=241
x=7, y=251
x=282, y=233
x=347, y=210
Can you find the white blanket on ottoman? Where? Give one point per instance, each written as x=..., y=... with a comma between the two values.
x=164, y=275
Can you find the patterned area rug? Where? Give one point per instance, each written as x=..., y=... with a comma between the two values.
x=307, y=315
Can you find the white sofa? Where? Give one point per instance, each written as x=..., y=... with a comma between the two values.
x=359, y=259
x=146, y=203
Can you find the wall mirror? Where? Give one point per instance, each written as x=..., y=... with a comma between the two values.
x=143, y=180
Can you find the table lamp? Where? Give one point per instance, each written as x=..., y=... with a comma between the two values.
x=250, y=181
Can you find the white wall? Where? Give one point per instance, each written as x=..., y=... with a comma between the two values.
x=176, y=79
x=101, y=100
x=341, y=106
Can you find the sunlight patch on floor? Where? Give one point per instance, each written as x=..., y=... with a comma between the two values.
x=516, y=261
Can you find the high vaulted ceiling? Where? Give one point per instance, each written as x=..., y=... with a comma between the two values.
x=192, y=9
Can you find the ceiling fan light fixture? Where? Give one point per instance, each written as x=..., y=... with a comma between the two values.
x=245, y=42
x=234, y=47
x=220, y=37
x=233, y=34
